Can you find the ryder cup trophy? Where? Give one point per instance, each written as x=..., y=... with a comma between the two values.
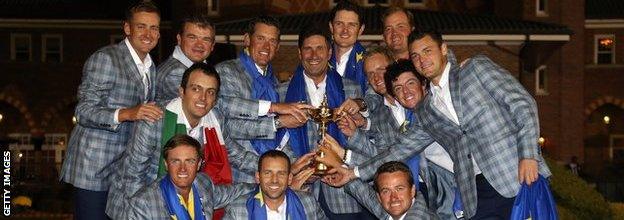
x=322, y=115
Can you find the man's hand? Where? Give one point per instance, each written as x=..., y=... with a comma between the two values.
x=331, y=158
x=147, y=111
x=289, y=121
x=301, y=163
x=301, y=178
x=360, y=121
x=527, y=171
x=349, y=106
x=347, y=125
x=339, y=176
x=297, y=110
x=330, y=142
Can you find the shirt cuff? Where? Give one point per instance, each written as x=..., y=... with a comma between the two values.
x=348, y=157
x=368, y=125
x=356, y=171
x=365, y=113
x=116, y=116
x=263, y=107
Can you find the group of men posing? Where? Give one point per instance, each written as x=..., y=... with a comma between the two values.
x=438, y=139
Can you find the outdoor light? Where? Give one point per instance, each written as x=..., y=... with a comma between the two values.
x=606, y=119
x=20, y=155
x=74, y=120
x=541, y=141
x=1, y=117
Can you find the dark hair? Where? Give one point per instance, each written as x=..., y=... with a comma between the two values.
x=273, y=154
x=263, y=19
x=418, y=34
x=312, y=30
x=198, y=19
x=179, y=140
x=207, y=69
x=141, y=6
x=391, y=167
x=345, y=5
x=382, y=50
x=394, y=70
x=394, y=9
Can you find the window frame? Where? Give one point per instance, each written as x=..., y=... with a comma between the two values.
x=14, y=36
x=44, y=46
x=541, y=91
x=596, y=52
x=541, y=13
x=209, y=6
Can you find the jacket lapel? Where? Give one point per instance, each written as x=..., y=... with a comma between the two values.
x=133, y=70
x=455, y=89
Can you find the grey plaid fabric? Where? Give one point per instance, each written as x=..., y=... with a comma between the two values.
x=243, y=124
x=139, y=165
x=367, y=196
x=110, y=81
x=498, y=127
x=168, y=78
x=237, y=209
x=338, y=201
x=149, y=203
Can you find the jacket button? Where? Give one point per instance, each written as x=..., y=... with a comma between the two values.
x=469, y=156
x=463, y=131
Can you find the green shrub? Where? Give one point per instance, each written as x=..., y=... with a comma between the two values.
x=565, y=214
x=576, y=196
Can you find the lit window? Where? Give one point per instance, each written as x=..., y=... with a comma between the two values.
x=52, y=48
x=541, y=7
x=541, y=81
x=605, y=49
x=213, y=7
x=414, y=3
x=21, y=47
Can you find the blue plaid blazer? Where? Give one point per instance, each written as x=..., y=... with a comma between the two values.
x=149, y=203
x=498, y=126
x=110, y=81
x=237, y=210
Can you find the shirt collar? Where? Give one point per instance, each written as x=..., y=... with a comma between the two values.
x=147, y=61
x=310, y=82
x=260, y=69
x=345, y=56
x=443, y=79
x=179, y=55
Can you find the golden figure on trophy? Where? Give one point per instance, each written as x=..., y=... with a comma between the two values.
x=323, y=115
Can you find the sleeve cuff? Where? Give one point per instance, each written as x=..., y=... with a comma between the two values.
x=368, y=125
x=365, y=113
x=116, y=116
x=263, y=107
x=356, y=171
x=348, y=157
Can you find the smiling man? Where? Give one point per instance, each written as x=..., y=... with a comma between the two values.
x=195, y=43
x=346, y=25
x=114, y=94
x=191, y=113
x=397, y=197
x=397, y=25
x=274, y=199
x=313, y=80
x=249, y=85
x=183, y=193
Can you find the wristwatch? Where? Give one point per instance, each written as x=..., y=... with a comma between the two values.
x=362, y=104
x=276, y=122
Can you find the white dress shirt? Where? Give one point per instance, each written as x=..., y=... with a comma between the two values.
x=341, y=65
x=178, y=54
x=441, y=94
x=279, y=214
x=143, y=66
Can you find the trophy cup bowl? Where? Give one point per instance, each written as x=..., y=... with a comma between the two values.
x=322, y=115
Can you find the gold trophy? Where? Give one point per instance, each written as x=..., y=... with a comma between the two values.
x=322, y=115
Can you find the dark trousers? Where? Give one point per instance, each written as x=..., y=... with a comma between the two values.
x=90, y=205
x=491, y=204
x=362, y=215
